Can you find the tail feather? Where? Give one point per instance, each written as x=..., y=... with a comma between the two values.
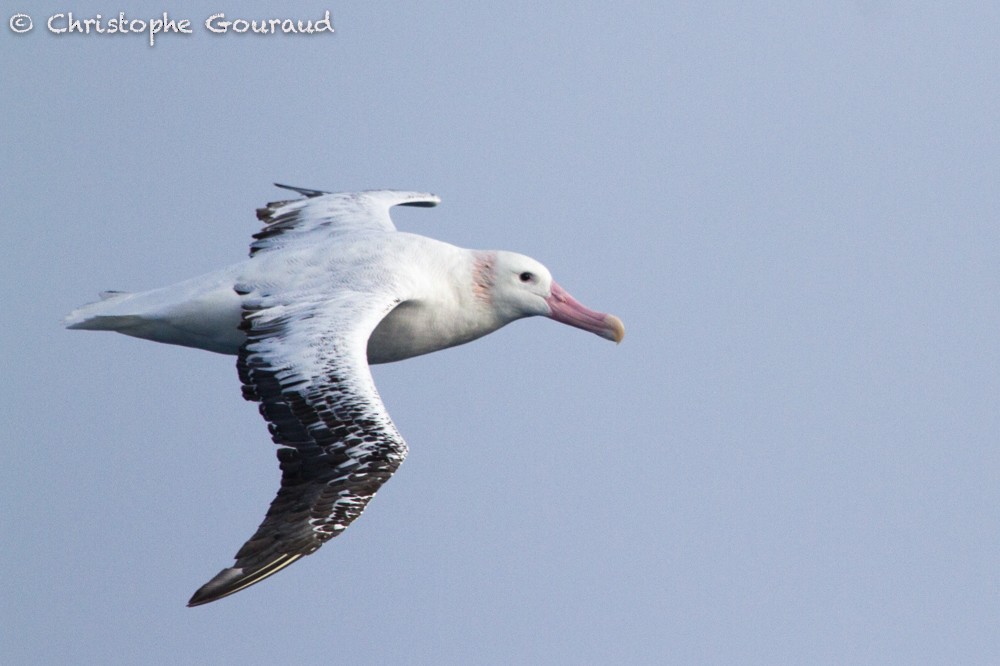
x=98, y=316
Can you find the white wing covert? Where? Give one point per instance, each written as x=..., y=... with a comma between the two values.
x=289, y=222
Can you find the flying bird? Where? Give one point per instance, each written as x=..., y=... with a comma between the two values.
x=330, y=287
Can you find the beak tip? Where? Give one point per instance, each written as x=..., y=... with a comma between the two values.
x=616, y=328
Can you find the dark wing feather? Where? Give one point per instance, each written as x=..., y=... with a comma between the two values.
x=304, y=191
x=338, y=445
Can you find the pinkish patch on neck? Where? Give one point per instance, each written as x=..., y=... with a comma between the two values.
x=484, y=275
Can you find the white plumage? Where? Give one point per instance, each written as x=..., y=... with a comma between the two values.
x=331, y=286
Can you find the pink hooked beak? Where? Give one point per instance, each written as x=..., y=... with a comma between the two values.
x=566, y=309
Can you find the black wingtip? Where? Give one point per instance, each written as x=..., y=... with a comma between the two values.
x=232, y=580
x=302, y=190
x=226, y=582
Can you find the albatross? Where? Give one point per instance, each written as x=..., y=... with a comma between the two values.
x=331, y=287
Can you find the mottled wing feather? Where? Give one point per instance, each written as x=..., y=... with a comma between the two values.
x=289, y=222
x=305, y=364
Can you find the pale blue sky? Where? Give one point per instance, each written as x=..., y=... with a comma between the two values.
x=792, y=458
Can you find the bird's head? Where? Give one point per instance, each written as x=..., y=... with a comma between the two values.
x=519, y=287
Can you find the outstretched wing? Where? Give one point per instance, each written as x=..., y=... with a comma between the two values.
x=304, y=361
x=288, y=222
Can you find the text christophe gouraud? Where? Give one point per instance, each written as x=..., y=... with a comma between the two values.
x=68, y=24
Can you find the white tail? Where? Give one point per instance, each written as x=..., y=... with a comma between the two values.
x=100, y=315
x=203, y=312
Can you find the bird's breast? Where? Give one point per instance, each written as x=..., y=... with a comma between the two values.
x=420, y=327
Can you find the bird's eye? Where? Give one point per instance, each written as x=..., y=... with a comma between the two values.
x=527, y=277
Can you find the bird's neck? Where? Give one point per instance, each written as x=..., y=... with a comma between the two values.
x=449, y=306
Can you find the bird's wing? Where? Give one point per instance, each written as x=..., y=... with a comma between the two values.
x=304, y=361
x=298, y=220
